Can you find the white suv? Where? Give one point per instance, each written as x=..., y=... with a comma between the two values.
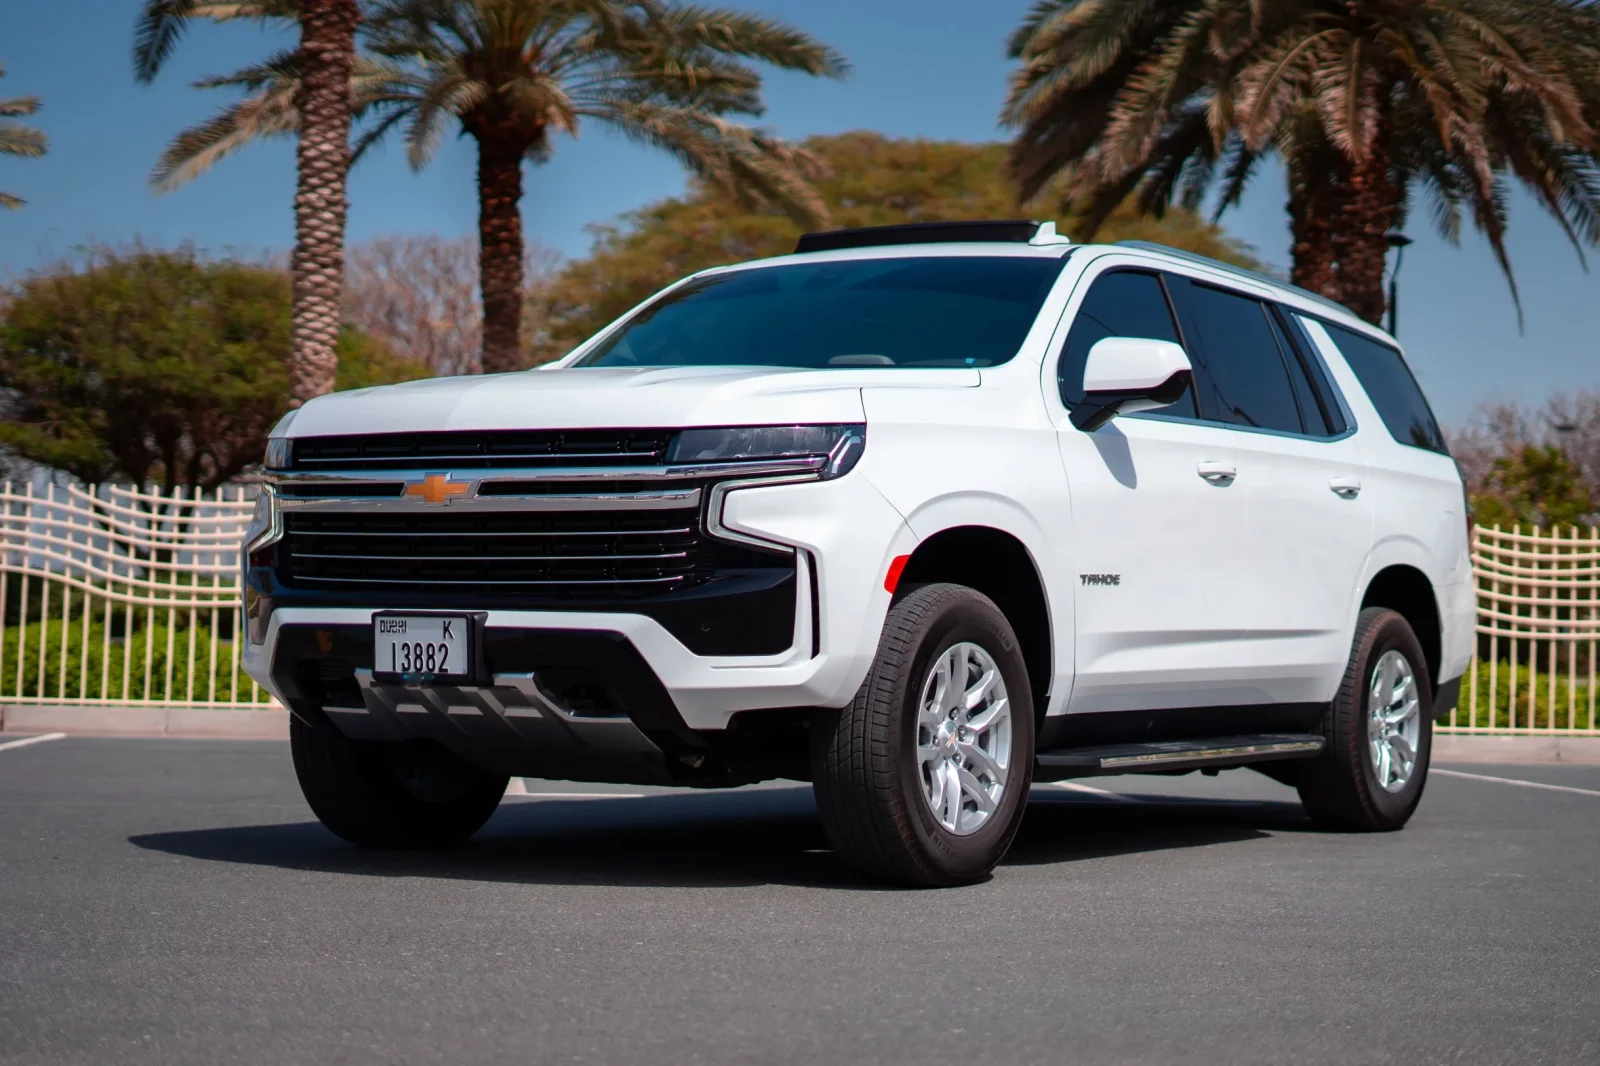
x=920, y=514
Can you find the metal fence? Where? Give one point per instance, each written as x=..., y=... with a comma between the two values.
x=1538, y=632
x=116, y=596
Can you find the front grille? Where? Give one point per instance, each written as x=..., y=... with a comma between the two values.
x=478, y=449
x=572, y=554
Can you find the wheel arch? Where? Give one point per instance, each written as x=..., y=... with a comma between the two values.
x=1407, y=590
x=999, y=565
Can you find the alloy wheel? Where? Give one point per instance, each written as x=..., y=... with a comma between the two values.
x=1394, y=720
x=963, y=738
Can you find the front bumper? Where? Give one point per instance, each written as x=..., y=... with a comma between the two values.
x=845, y=534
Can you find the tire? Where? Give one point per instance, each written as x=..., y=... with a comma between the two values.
x=1341, y=788
x=869, y=781
x=381, y=795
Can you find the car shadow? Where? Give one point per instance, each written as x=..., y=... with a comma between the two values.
x=730, y=839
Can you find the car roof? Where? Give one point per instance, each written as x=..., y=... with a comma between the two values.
x=1058, y=248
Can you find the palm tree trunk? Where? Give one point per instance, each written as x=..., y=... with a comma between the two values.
x=322, y=161
x=1313, y=214
x=1366, y=215
x=500, y=250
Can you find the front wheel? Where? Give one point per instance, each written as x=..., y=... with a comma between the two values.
x=923, y=779
x=1379, y=731
x=381, y=795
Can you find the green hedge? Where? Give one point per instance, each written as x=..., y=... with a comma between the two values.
x=1566, y=694
x=131, y=649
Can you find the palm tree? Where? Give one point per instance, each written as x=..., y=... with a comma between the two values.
x=1368, y=102
x=514, y=72
x=17, y=139
x=321, y=113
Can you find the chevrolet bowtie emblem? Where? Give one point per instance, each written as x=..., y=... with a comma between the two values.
x=437, y=488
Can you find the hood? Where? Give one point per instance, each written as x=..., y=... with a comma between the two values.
x=613, y=398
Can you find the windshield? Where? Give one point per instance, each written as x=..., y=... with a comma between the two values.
x=958, y=311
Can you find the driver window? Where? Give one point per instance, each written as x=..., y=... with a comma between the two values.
x=1122, y=303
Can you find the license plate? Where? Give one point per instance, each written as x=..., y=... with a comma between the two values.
x=421, y=645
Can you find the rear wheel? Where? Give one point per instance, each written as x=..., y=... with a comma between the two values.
x=380, y=795
x=1379, y=730
x=924, y=777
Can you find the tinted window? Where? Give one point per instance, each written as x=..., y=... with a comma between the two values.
x=1312, y=411
x=1327, y=392
x=1248, y=380
x=1119, y=304
x=917, y=312
x=1392, y=389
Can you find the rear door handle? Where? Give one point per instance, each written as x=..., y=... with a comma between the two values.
x=1346, y=488
x=1217, y=473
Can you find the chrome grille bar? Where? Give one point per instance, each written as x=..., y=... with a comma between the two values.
x=491, y=558
x=672, y=580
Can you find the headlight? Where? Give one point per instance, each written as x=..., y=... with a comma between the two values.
x=263, y=529
x=280, y=451
x=840, y=445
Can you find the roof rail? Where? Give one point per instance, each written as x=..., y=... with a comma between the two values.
x=1229, y=268
x=1015, y=231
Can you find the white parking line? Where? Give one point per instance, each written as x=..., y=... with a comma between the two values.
x=584, y=795
x=1515, y=781
x=1103, y=793
x=25, y=741
x=519, y=787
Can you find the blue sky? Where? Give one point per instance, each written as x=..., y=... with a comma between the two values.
x=923, y=68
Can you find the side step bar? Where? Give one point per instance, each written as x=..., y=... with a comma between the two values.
x=1175, y=755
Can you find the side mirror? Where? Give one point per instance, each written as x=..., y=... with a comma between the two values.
x=1127, y=374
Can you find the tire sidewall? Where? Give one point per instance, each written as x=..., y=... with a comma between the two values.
x=1392, y=633
x=977, y=622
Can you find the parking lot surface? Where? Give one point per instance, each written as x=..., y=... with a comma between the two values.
x=173, y=901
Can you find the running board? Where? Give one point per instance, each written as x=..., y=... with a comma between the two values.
x=1176, y=755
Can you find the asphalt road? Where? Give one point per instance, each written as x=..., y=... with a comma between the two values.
x=171, y=901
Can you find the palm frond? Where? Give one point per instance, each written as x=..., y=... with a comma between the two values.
x=735, y=33
x=744, y=163
x=22, y=141
x=267, y=113
x=19, y=106
x=162, y=23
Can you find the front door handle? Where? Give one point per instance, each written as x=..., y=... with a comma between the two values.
x=1346, y=488
x=1217, y=473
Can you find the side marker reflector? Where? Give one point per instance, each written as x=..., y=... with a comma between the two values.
x=896, y=568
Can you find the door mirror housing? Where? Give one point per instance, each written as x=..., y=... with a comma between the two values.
x=1127, y=374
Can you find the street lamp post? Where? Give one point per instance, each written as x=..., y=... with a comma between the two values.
x=1398, y=242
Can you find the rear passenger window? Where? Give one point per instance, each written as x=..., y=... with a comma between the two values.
x=1312, y=411
x=1392, y=389
x=1249, y=380
x=1123, y=303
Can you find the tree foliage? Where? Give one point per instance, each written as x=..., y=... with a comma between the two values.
x=1537, y=485
x=1367, y=102
x=873, y=180
x=1533, y=466
x=156, y=366
x=16, y=139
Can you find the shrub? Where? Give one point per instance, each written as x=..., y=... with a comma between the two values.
x=1570, y=707
x=105, y=663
